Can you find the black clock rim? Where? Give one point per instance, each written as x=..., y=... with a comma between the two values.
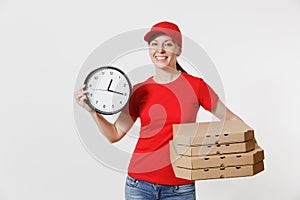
x=91, y=74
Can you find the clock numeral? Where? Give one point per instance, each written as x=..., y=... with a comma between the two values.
x=97, y=102
x=91, y=94
x=113, y=106
x=111, y=73
x=121, y=102
x=102, y=73
x=104, y=106
x=124, y=85
x=125, y=94
x=119, y=77
x=96, y=77
x=90, y=85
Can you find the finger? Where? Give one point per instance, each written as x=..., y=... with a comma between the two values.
x=83, y=101
x=83, y=86
x=80, y=102
x=82, y=98
x=85, y=98
x=79, y=95
x=77, y=92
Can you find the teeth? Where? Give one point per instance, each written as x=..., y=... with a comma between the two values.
x=161, y=57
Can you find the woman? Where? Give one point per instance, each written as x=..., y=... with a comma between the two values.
x=171, y=96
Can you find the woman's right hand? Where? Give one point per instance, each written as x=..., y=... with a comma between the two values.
x=81, y=98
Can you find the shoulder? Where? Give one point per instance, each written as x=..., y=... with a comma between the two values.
x=192, y=79
x=141, y=87
x=142, y=84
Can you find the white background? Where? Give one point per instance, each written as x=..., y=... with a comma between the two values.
x=255, y=46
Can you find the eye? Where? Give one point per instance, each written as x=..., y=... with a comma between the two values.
x=169, y=44
x=153, y=44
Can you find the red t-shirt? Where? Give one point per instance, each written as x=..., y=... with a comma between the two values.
x=159, y=106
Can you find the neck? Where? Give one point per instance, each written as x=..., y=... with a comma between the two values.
x=165, y=75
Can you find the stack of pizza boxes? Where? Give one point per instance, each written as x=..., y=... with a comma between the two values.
x=212, y=150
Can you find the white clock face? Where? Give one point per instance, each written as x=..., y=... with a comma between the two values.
x=108, y=90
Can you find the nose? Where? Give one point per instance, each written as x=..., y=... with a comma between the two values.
x=160, y=49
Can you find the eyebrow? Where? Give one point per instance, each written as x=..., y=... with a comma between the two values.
x=163, y=41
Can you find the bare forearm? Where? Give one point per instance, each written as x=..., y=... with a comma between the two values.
x=223, y=113
x=108, y=129
x=231, y=116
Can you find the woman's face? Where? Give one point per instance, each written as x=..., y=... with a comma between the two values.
x=163, y=51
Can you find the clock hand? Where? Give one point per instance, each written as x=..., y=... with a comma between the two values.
x=109, y=84
x=109, y=91
x=98, y=89
x=116, y=92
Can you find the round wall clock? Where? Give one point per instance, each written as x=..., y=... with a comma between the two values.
x=108, y=90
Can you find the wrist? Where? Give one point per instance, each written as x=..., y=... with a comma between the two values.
x=93, y=113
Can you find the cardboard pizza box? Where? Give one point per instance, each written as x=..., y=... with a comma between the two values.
x=217, y=173
x=225, y=160
x=217, y=132
x=203, y=150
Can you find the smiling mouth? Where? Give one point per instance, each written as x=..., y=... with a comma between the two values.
x=161, y=58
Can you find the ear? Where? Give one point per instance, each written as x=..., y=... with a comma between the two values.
x=178, y=51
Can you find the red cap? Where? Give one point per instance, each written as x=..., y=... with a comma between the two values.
x=167, y=28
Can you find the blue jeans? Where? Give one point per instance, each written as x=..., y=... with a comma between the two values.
x=142, y=190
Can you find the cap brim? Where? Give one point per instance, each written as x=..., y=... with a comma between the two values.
x=151, y=33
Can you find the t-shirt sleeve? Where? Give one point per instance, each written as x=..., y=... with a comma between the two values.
x=132, y=106
x=207, y=97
